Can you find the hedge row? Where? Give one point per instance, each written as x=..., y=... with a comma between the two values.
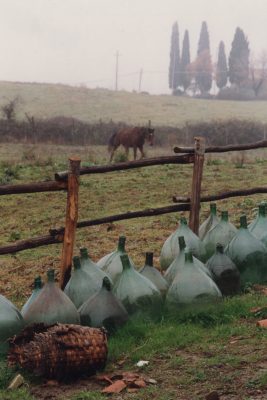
x=63, y=130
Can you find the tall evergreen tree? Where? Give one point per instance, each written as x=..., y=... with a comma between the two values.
x=239, y=58
x=174, y=67
x=185, y=62
x=203, y=65
x=221, y=68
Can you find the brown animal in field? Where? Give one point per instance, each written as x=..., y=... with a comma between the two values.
x=131, y=137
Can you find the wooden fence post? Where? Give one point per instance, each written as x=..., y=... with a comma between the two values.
x=71, y=221
x=196, y=184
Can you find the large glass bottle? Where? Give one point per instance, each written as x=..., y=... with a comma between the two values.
x=249, y=255
x=36, y=290
x=222, y=233
x=52, y=305
x=92, y=268
x=103, y=309
x=191, y=285
x=224, y=272
x=258, y=227
x=210, y=222
x=153, y=274
x=111, y=263
x=82, y=284
x=136, y=292
x=170, y=248
x=11, y=322
x=179, y=261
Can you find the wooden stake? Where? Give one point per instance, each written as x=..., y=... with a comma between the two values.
x=71, y=221
x=196, y=184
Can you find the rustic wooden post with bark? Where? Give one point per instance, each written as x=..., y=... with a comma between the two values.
x=71, y=221
x=196, y=184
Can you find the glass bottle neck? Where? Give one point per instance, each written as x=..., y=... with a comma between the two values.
x=149, y=259
x=219, y=248
x=243, y=222
x=213, y=208
x=84, y=253
x=51, y=275
x=262, y=210
x=125, y=262
x=76, y=262
x=121, y=243
x=225, y=216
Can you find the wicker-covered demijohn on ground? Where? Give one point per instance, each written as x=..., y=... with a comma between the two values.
x=61, y=351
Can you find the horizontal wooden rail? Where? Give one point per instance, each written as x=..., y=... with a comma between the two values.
x=31, y=243
x=56, y=235
x=182, y=159
x=224, y=195
x=223, y=149
x=34, y=187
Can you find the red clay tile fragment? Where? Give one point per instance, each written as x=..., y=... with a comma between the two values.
x=116, y=387
x=262, y=323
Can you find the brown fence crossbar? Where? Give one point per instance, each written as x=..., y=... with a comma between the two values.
x=148, y=162
x=223, y=149
x=223, y=195
x=34, y=187
x=57, y=235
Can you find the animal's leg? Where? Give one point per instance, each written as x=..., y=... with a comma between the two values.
x=112, y=152
x=135, y=152
x=141, y=151
x=127, y=152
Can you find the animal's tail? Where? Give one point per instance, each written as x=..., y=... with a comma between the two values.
x=111, y=142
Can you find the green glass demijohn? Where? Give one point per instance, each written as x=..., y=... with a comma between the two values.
x=249, y=255
x=258, y=227
x=210, y=222
x=221, y=233
x=179, y=261
x=192, y=285
x=111, y=263
x=224, y=272
x=11, y=322
x=36, y=290
x=82, y=284
x=170, y=248
x=136, y=292
x=103, y=309
x=153, y=274
x=92, y=268
x=52, y=305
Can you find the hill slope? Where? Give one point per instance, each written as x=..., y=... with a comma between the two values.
x=49, y=100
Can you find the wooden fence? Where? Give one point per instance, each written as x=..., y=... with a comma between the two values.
x=69, y=181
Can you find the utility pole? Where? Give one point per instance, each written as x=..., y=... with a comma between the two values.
x=140, y=79
x=117, y=70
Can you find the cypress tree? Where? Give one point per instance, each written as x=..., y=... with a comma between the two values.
x=221, y=68
x=203, y=66
x=239, y=58
x=174, y=67
x=185, y=62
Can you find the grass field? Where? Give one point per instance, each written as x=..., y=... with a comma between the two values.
x=44, y=101
x=190, y=354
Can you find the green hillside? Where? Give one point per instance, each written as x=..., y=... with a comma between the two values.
x=50, y=100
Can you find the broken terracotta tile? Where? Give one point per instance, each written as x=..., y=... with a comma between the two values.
x=262, y=323
x=116, y=387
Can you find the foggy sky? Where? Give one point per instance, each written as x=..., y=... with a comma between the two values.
x=75, y=41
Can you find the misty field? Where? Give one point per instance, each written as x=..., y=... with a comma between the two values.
x=92, y=105
x=218, y=349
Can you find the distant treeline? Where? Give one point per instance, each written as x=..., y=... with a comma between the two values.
x=70, y=131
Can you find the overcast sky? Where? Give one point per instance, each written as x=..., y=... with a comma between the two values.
x=75, y=41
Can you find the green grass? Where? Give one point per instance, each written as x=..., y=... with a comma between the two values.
x=196, y=350
x=48, y=100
